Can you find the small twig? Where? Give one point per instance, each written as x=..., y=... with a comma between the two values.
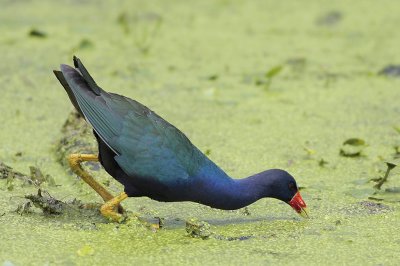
x=384, y=179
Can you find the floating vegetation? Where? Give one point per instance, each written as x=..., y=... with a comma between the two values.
x=267, y=78
x=198, y=229
x=122, y=20
x=24, y=208
x=213, y=77
x=373, y=207
x=273, y=72
x=352, y=147
x=390, y=71
x=366, y=207
x=396, y=154
x=309, y=152
x=85, y=44
x=381, y=181
x=297, y=64
x=46, y=203
x=201, y=229
x=361, y=193
x=77, y=137
x=233, y=238
x=6, y=172
x=331, y=18
x=375, y=193
x=393, y=190
x=86, y=250
x=37, y=33
x=322, y=162
x=38, y=177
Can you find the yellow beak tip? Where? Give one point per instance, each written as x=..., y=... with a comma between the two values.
x=305, y=213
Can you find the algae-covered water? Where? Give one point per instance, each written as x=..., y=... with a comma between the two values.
x=253, y=84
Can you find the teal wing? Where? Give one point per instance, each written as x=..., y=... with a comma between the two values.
x=145, y=144
x=151, y=147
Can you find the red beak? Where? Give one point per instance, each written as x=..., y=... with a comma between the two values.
x=299, y=205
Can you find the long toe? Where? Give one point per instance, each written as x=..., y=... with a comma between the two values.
x=107, y=210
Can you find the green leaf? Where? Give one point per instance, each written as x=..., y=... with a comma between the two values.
x=355, y=142
x=37, y=33
x=86, y=250
x=393, y=190
x=85, y=44
x=273, y=71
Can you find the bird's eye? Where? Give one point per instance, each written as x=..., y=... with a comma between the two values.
x=292, y=187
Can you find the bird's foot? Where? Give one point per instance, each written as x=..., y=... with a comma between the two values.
x=110, y=209
x=109, y=212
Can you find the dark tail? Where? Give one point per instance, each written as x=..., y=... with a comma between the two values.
x=61, y=79
x=89, y=80
x=80, y=77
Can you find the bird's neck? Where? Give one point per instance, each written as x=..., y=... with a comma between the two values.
x=217, y=190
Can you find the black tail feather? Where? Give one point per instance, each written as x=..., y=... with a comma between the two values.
x=85, y=74
x=71, y=96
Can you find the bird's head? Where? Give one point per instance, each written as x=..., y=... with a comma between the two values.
x=281, y=185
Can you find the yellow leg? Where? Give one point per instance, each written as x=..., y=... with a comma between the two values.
x=108, y=208
x=75, y=161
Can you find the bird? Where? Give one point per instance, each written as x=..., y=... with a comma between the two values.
x=152, y=158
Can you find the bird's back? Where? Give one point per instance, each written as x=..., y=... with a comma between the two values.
x=146, y=147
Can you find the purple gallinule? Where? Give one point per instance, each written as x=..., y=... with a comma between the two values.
x=152, y=158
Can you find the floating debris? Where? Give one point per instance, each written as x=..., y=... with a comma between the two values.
x=381, y=181
x=85, y=44
x=122, y=20
x=273, y=72
x=373, y=207
x=37, y=33
x=267, y=78
x=366, y=207
x=390, y=71
x=309, y=152
x=47, y=203
x=329, y=19
x=354, y=142
x=352, y=147
x=7, y=172
x=396, y=154
x=322, y=162
x=297, y=64
x=213, y=77
x=24, y=208
x=233, y=238
x=198, y=229
x=77, y=137
x=38, y=177
x=201, y=229
x=245, y=211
